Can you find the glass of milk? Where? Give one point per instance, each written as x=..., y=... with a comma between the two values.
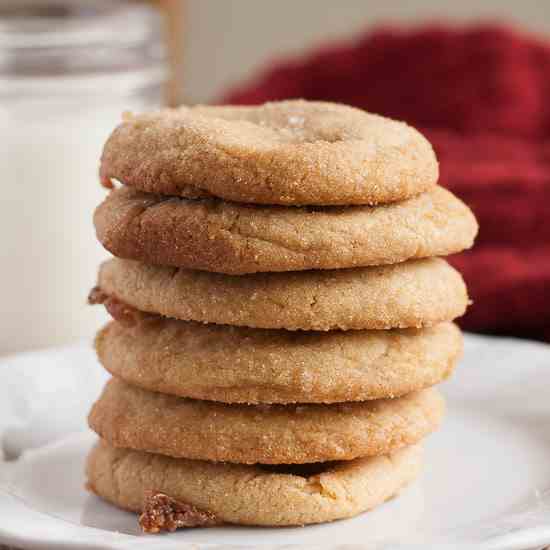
x=68, y=70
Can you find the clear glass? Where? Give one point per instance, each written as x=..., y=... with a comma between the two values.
x=67, y=71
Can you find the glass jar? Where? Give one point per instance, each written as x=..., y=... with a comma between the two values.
x=68, y=70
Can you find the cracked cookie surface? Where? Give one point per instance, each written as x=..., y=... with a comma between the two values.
x=215, y=235
x=251, y=495
x=289, y=152
x=129, y=417
x=242, y=365
x=410, y=294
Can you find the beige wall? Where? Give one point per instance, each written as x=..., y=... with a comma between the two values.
x=228, y=39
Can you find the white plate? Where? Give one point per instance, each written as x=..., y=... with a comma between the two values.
x=485, y=484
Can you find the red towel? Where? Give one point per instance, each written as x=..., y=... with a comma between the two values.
x=482, y=96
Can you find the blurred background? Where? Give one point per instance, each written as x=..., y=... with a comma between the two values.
x=473, y=76
x=226, y=42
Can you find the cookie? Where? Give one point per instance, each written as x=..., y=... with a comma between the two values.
x=215, y=235
x=243, y=365
x=129, y=417
x=410, y=294
x=290, y=152
x=248, y=495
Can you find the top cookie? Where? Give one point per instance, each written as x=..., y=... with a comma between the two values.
x=290, y=152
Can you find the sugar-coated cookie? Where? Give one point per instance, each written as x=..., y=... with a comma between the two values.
x=291, y=152
x=410, y=294
x=216, y=235
x=243, y=365
x=204, y=493
x=129, y=417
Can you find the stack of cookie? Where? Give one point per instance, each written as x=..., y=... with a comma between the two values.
x=279, y=313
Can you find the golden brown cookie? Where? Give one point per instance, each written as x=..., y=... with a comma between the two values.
x=251, y=495
x=215, y=235
x=243, y=365
x=291, y=152
x=410, y=294
x=126, y=416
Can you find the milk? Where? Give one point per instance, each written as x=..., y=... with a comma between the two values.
x=67, y=72
x=49, y=254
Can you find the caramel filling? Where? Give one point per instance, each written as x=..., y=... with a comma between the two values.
x=119, y=311
x=164, y=513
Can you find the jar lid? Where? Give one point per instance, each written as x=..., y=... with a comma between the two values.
x=71, y=37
